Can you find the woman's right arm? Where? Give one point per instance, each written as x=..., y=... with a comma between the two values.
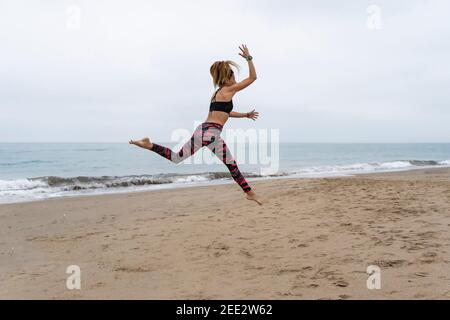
x=251, y=68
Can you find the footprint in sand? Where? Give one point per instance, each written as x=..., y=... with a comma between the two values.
x=246, y=253
x=220, y=248
x=341, y=283
x=322, y=237
x=429, y=254
x=421, y=274
x=289, y=294
x=98, y=285
x=133, y=269
x=390, y=263
x=287, y=270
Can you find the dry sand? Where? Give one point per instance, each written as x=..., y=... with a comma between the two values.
x=313, y=239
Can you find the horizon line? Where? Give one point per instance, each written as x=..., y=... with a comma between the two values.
x=305, y=142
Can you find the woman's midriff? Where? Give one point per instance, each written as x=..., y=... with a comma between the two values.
x=217, y=117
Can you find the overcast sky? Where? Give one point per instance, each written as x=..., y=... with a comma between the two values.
x=141, y=68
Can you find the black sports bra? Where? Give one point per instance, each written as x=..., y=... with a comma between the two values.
x=224, y=106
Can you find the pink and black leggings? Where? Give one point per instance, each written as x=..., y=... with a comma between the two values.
x=206, y=135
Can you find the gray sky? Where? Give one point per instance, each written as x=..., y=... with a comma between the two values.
x=141, y=68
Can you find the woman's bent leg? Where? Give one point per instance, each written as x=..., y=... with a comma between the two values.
x=220, y=149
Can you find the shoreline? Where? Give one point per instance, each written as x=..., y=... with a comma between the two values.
x=175, y=186
x=312, y=239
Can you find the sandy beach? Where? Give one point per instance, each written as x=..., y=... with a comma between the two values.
x=312, y=239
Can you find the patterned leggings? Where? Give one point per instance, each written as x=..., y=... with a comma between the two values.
x=206, y=135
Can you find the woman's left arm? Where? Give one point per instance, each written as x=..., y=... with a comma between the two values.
x=251, y=115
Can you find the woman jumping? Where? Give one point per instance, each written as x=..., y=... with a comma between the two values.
x=208, y=133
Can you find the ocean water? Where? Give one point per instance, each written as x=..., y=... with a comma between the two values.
x=33, y=171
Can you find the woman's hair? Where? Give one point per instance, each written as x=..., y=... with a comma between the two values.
x=221, y=71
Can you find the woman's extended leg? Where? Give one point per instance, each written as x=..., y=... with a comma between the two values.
x=189, y=148
x=220, y=149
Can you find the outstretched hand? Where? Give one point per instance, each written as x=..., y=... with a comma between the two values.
x=253, y=115
x=244, y=51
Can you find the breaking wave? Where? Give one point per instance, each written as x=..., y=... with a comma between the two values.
x=370, y=167
x=52, y=186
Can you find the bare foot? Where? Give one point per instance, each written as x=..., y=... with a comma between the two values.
x=251, y=195
x=143, y=143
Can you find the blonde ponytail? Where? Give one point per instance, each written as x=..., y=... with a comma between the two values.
x=221, y=71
